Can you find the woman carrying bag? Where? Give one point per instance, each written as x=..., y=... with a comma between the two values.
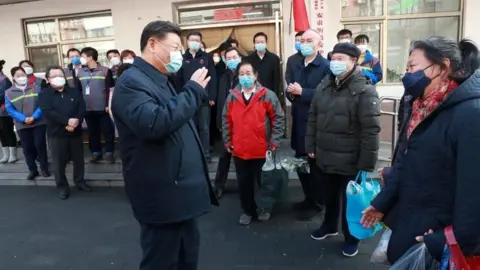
x=253, y=122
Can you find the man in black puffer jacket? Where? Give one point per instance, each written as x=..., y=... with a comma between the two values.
x=342, y=134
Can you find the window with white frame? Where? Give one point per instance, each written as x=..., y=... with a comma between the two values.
x=393, y=24
x=47, y=40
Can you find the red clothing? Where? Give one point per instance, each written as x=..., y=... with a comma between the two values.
x=422, y=107
x=32, y=79
x=254, y=128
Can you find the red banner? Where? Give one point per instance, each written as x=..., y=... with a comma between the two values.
x=228, y=14
x=300, y=15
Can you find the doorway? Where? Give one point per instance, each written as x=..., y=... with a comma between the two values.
x=214, y=37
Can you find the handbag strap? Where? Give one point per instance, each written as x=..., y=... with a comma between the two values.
x=457, y=256
x=360, y=176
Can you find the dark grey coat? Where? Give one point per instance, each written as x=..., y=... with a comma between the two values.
x=344, y=124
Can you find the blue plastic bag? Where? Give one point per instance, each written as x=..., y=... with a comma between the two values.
x=360, y=193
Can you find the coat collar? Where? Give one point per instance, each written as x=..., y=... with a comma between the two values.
x=150, y=70
x=317, y=61
x=188, y=54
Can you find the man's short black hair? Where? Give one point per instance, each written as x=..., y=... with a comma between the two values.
x=361, y=38
x=157, y=29
x=299, y=34
x=247, y=63
x=344, y=32
x=72, y=50
x=224, y=46
x=112, y=51
x=260, y=34
x=232, y=49
x=90, y=52
x=194, y=33
x=231, y=41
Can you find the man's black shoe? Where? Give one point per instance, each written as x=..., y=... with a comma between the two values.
x=32, y=175
x=64, y=193
x=95, y=159
x=303, y=205
x=84, y=187
x=46, y=174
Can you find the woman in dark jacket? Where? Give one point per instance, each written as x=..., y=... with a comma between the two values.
x=434, y=184
x=7, y=134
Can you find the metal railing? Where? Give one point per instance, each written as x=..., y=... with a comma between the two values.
x=394, y=114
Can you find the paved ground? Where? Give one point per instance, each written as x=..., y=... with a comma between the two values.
x=96, y=231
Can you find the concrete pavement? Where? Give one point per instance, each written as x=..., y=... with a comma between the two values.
x=96, y=231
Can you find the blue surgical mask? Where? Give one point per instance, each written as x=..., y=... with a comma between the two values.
x=261, y=47
x=338, y=68
x=415, y=83
x=246, y=81
x=233, y=63
x=176, y=62
x=194, y=45
x=307, y=49
x=297, y=46
x=75, y=61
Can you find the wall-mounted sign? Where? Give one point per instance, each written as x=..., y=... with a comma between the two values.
x=319, y=7
x=228, y=14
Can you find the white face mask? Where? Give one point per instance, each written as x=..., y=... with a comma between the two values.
x=362, y=47
x=58, y=81
x=344, y=40
x=21, y=81
x=115, y=61
x=83, y=61
x=127, y=60
x=28, y=70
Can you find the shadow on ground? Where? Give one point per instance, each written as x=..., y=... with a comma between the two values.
x=96, y=231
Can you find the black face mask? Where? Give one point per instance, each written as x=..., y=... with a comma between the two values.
x=415, y=83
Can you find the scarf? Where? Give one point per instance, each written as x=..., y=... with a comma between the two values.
x=423, y=107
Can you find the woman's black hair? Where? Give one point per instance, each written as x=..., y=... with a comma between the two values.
x=26, y=61
x=245, y=63
x=2, y=62
x=15, y=69
x=464, y=56
x=122, y=68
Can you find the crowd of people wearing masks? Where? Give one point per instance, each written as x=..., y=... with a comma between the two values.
x=168, y=107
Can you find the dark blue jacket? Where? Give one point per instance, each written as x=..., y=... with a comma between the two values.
x=165, y=172
x=190, y=65
x=436, y=178
x=5, y=84
x=308, y=77
x=291, y=63
x=372, y=68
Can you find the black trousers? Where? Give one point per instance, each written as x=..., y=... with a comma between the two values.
x=222, y=169
x=34, y=144
x=334, y=186
x=171, y=246
x=249, y=172
x=311, y=185
x=64, y=149
x=100, y=123
x=202, y=121
x=7, y=134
